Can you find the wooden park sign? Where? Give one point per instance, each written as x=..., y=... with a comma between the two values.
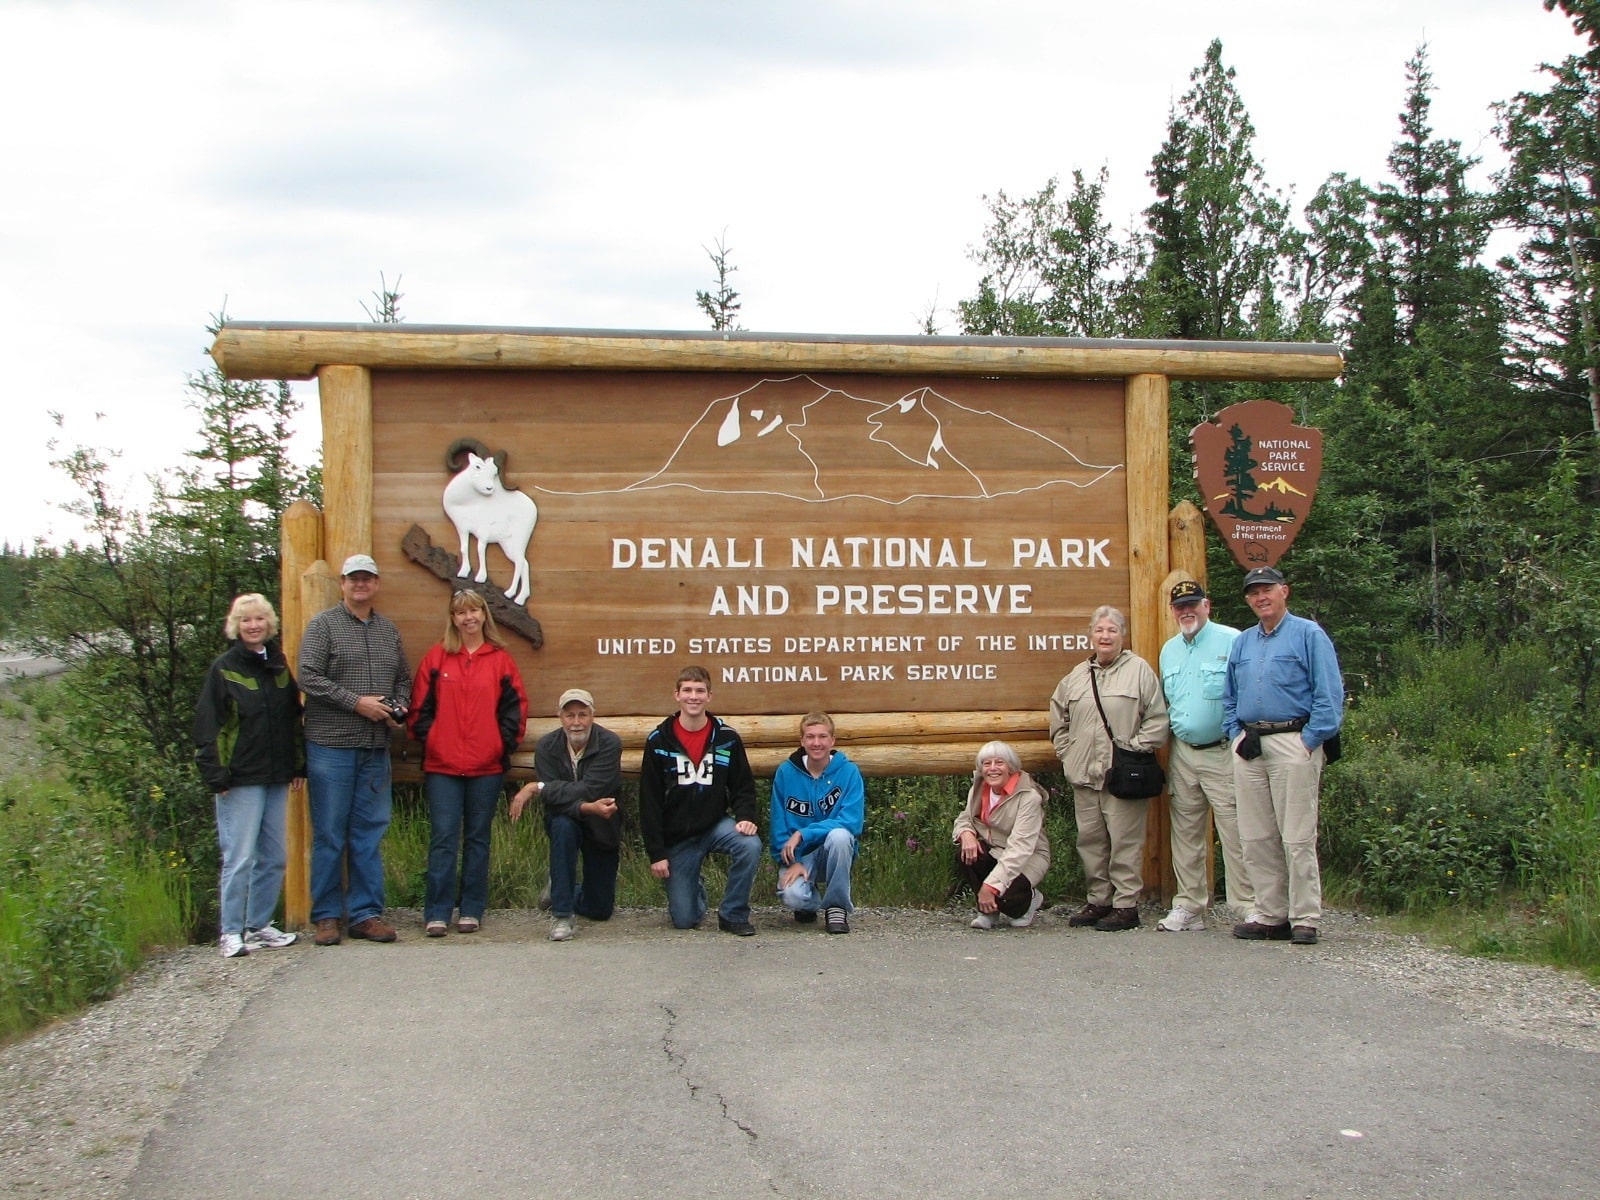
x=1257, y=472
x=909, y=533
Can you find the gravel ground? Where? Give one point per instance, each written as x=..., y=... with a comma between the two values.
x=79, y=1098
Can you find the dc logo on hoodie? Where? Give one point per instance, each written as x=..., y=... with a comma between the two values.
x=694, y=774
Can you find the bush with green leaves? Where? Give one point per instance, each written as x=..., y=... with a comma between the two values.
x=84, y=900
x=1448, y=778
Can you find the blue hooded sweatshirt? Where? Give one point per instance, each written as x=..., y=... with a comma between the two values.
x=816, y=807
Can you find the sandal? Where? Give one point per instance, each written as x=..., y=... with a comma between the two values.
x=437, y=929
x=467, y=925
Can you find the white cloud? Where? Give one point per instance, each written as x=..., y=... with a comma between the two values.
x=563, y=163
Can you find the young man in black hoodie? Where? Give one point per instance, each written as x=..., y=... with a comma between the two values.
x=698, y=797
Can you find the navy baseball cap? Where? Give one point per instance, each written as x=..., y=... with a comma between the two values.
x=1263, y=575
x=1187, y=591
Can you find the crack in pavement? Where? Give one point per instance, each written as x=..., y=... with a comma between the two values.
x=681, y=1064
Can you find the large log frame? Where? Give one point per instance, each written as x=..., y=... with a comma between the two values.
x=1163, y=546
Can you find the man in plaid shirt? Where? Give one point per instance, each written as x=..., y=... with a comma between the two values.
x=357, y=683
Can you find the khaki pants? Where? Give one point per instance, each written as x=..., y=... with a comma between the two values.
x=1278, y=799
x=1111, y=845
x=1201, y=782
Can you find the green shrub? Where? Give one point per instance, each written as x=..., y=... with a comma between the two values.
x=83, y=902
x=1461, y=704
x=1414, y=831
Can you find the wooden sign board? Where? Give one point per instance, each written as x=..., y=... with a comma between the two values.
x=1257, y=472
x=847, y=541
x=909, y=531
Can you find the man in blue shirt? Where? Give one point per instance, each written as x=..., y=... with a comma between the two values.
x=1282, y=704
x=1194, y=663
x=818, y=810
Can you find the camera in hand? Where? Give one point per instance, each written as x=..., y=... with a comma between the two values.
x=397, y=711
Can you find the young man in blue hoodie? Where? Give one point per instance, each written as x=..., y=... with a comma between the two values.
x=818, y=809
x=697, y=796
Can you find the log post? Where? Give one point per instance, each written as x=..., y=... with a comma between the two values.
x=1186, y=542
x=346, y=461
x=300, y=547
x=318, y=588
x=1145, y=426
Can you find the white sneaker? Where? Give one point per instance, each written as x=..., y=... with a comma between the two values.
x=1181, y=920
x=232, y=946
x=993, y=920
x=1026, y=918
x=269, y=937
x=561, y=931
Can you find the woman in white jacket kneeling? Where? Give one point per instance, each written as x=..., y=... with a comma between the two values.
x=1001, y=846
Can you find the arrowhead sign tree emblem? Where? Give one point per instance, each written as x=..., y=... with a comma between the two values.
x=1257, y=472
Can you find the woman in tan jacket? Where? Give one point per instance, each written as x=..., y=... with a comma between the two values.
x=1001, y=847
x=1110, y=830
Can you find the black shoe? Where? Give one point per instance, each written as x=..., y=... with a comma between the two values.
x=838, y=921
x=804, y=916
x=1089, y=914
x=737, y=928
x=1255, y=931
x=1120, y=919
x=1304, y=935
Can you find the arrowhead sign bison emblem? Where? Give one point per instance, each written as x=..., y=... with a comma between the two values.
x=1257, y=472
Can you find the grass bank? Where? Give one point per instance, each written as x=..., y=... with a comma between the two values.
x=83, y=902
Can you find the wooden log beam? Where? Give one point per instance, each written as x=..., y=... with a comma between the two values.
x=1145, y=421
x=854, y=729
x=270, y=350
x=300, y=548
x=1186, y=544
x=877, y=761
x=346, y=394
x=316, y=587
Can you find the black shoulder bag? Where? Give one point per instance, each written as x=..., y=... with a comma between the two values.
x=1134, y=774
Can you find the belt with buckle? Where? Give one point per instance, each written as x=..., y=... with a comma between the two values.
x=1294, y=726
x=1207, y=746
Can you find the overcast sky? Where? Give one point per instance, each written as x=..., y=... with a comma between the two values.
x=565, y=163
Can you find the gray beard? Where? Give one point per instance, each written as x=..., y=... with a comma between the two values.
x=575, y=742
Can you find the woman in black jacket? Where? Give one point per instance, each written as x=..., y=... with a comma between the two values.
x=251, y=750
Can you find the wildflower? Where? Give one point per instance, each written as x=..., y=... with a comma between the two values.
x=899, y=815
x=913, y=845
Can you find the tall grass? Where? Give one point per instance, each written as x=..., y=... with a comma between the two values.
x=83, y=904
x=1569, y=876
x=1468, y=793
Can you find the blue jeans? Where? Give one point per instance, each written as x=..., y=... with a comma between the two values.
x=686, y=895
x=250, y=833
x=594, y=898
x=350, y=807
x=460, y=815
x=829, y=862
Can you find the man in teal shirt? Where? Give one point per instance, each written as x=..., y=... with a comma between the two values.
x=1194, y=666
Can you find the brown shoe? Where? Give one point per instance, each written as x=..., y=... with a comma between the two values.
x=1256, y=931
x=373, y=929
x=1118, y=920
x=327, y=932
x=1089, y=914
x=1303, y=935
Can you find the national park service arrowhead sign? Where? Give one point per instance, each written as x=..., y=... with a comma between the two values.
x=1257, y=472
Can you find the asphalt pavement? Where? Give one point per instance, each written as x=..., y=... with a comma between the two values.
x=913, y=1058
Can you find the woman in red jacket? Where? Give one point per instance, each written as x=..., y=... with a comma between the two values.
x=469, y=710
